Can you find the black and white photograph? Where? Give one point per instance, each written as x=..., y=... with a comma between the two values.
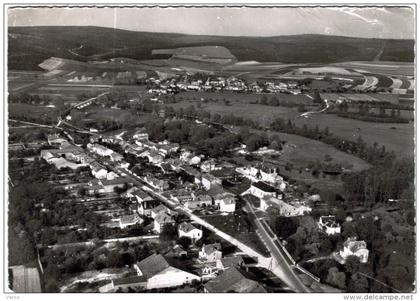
x=189, y=149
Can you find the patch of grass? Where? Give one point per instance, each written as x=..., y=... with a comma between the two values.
x=240, y=227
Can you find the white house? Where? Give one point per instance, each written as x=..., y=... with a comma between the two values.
x=353, y=247
x=160, y=274
x=98, y=171
x=188, y=230
x=226, y=202
x=329, y=225
x=264, y=203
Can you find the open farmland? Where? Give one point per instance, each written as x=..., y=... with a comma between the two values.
x=301, y=151
x=389, y=68
x=195, y=97
x=96, y=114
x=260, y=113
x=32, y=113
x=398, y=139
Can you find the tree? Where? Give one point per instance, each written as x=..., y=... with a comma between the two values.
x=352, y=264
x=51, y=286
x=285, y=227
x=336, y=278
x=185, y=242
x=301, y=108
x=358, y=284
x=317, y=97
x=263, y=100
x=326, y=247
x=113, y=259
x=169, y=232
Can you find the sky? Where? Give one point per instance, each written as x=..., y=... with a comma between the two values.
x=365, y=22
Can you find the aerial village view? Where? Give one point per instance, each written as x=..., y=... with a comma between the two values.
x=163, y=160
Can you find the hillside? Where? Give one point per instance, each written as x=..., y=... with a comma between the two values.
x=28, y=46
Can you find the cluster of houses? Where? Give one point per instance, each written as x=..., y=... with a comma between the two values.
x=156, y=272
x=220, y=273
x=202, y=191
x=174, y=85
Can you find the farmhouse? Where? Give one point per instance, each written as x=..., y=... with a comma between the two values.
x=159, y=273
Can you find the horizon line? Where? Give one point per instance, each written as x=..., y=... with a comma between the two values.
x=214, y=35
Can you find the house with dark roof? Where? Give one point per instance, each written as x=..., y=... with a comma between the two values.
x=110, y=185
x=188, y=230
x=210, y=252
x=225, y=201
x=231, y=261
x=159, y=210
x=261, y=189
x=233, y=281
x=130, y=220
x=208, y=180
x=133, y=282
x=160, y=274
x=200, y=199
x=161, y=221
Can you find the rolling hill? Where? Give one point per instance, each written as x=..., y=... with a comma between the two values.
x=29, y=46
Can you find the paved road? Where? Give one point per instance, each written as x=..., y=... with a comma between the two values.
x=281, y=261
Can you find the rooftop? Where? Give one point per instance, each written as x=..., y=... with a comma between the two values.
x=153, y=265
x=186, y=227
x=264, y=187
x=232, y=280
x=208, y=249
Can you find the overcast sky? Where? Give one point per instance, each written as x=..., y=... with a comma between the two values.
x=368, y=22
